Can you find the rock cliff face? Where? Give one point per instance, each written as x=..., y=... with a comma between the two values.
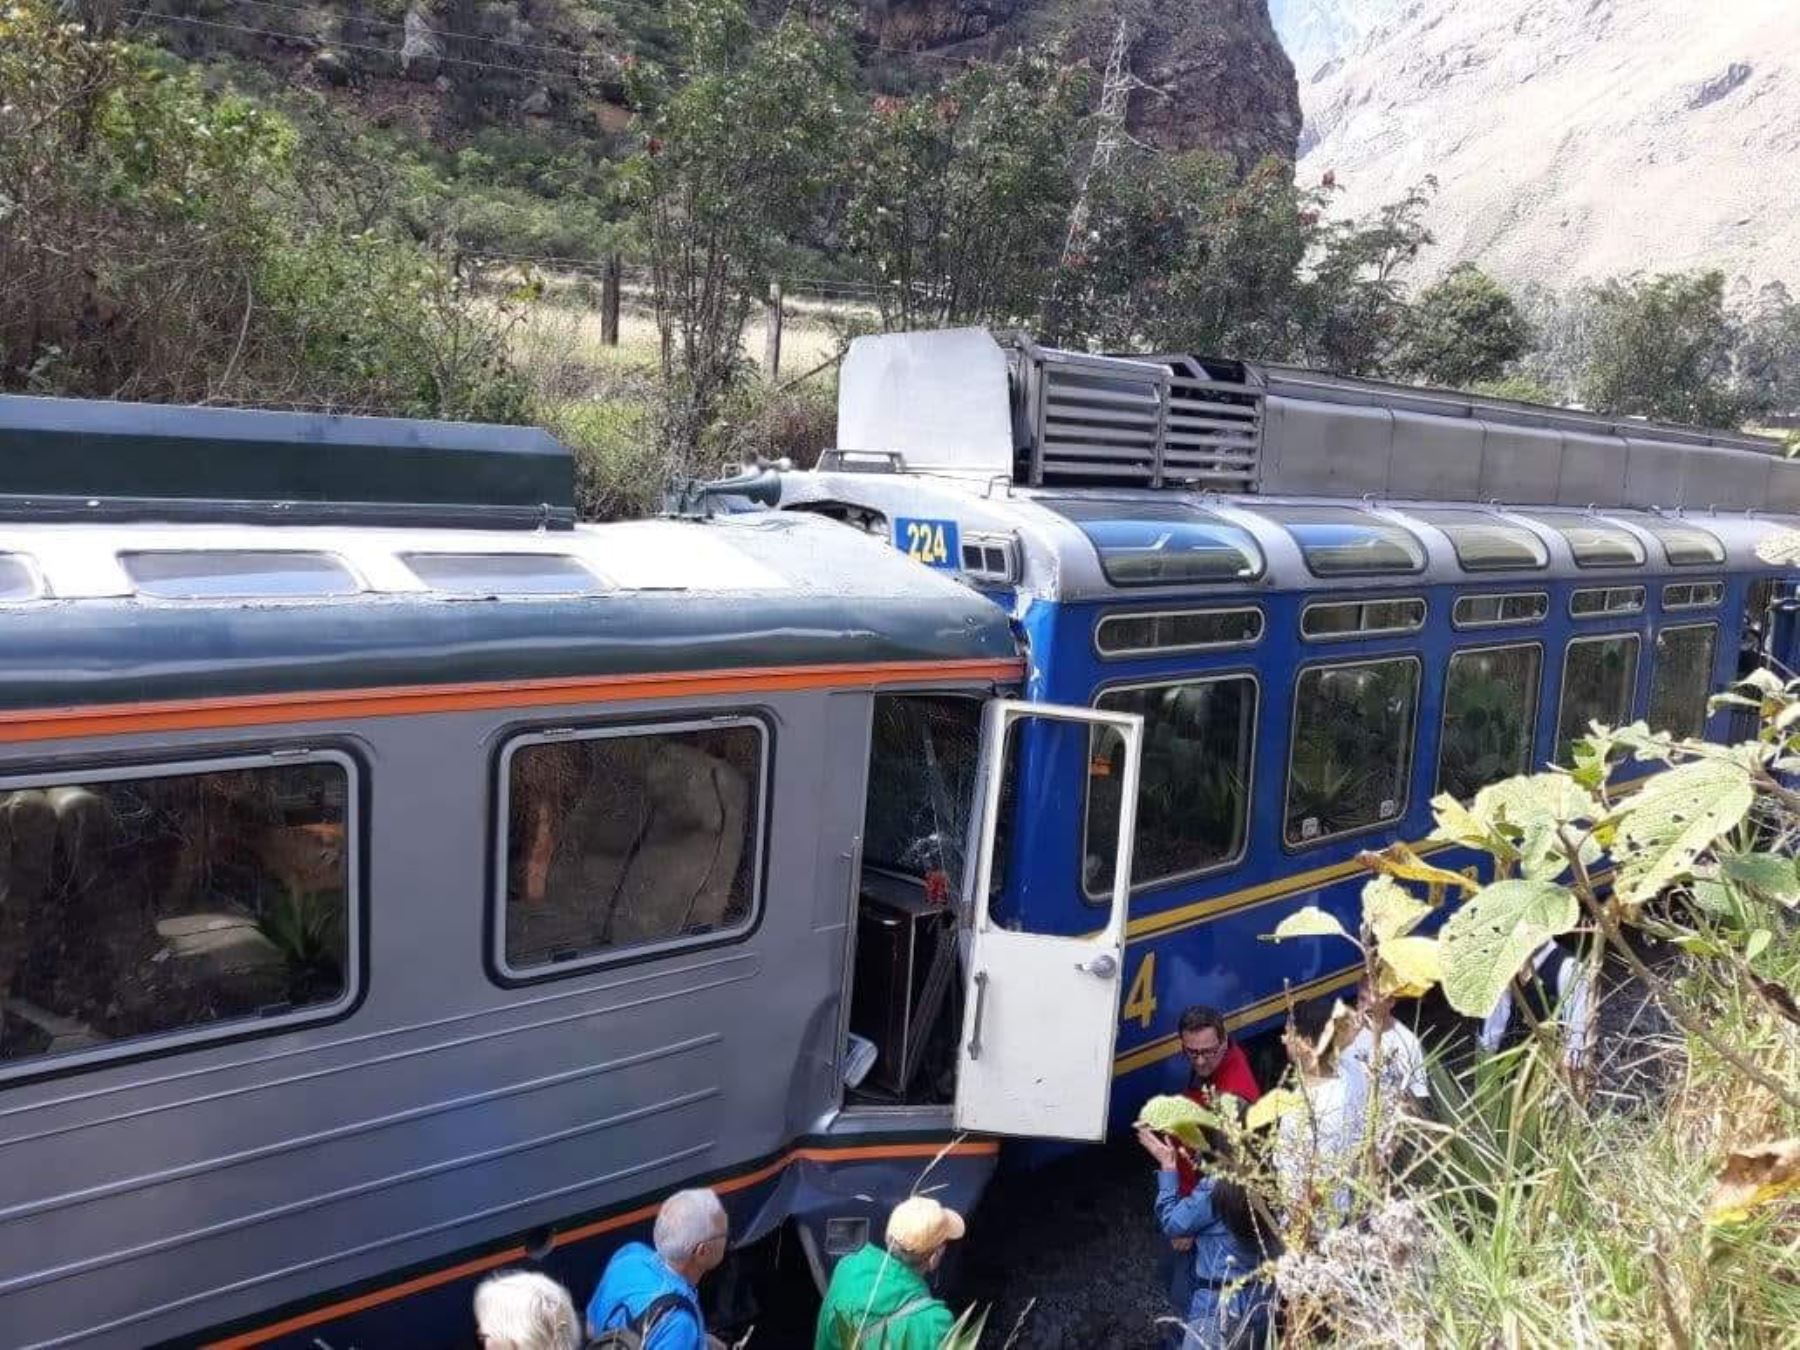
x=1572, y=140
x=1214, y=75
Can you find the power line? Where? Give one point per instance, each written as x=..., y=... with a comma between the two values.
x=345, y=46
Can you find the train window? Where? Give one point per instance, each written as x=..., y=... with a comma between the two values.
x=1497, y=611
x=1596, y=543
x=1693, y=594
x=18, y=580
x=1599, y=685
x=1596, y=601
x=1182, y=630
x=1340, y=541
x=1194, y=788
x=483, y=574
x=1682, y=678
x=237, y=574
x=923, y=756
x=1362, y=618
x=182, y=901
x=1162, y=543
x=1686, y=545
x=619, y=839
x=1487, y=543
x=1353, y=734
x=1490, y=713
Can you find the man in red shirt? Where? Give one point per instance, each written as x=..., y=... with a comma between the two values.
x=1215, y=1063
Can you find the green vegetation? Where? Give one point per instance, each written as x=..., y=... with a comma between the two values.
x=1653, y=1201
x=218, y=232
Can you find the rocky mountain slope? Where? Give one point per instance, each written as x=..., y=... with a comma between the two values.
x=1574, y=139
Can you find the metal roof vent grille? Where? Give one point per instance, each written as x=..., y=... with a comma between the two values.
x=1147, y=423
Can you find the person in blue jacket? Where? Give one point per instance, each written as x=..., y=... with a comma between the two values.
x=657, y=1292
x=1229, y=1306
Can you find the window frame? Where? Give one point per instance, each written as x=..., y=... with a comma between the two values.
x=359, y=584
x=1277, y=513
x=500, y=969
x=1356, y=634
x=1412, y=747
x=40, y=586
x=1144, y=653
x=1643, y=600
x=1477, y=625
x=1531, y=719
x=1715, y=587
x=160, y=1044
x=1243, y=851
x=1562, y=684
x=1655, y=666
x=409, y=560
x=1433, y=518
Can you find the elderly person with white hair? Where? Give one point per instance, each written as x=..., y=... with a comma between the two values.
x=656, y=1293
x=522, y=1310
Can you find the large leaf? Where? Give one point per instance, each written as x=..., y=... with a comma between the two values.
x=1272, y=1106
x=1766, y=873
x=1460, y=825
x=1753, y=1177
x=1308, y=922
x=1677, y=817
x=1409, y=967
x=1389, y=910
x=1486, y=942
x=1534, y=809
x=1180, y=1116
x=1399, y=861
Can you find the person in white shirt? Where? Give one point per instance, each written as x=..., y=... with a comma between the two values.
x=1387, y=1051
x=1557, y=988
x=1316, y=1147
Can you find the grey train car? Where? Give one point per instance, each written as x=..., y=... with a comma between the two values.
x=399, y=881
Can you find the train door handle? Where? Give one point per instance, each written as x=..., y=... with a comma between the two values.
x=1103, y=966
x=981, y=983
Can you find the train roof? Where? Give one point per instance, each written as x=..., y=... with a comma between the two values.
x=1123, y=544
x=102, y=601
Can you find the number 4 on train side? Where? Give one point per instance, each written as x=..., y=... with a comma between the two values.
x=1042, y=1012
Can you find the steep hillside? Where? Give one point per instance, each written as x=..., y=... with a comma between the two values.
x=1575, y=140
x=1318, y=32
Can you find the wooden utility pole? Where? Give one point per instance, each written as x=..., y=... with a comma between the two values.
x=609, y=301
x=772, y=336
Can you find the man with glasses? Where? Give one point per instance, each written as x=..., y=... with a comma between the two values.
x=1216, y=1064
x=656, y=1294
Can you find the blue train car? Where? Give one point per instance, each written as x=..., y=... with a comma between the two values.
x=1329, y=600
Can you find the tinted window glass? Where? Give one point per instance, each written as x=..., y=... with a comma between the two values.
x=1587, y=604
x=922, y=767
x=1681, y=680
x=617, y=841
x=149, y=905
x=1491, y=611
x=196, y=574
x=1485, y=543
x=1362, y=617
x=16, y=579
x=1693, y=594
x=1490, y=708
x=503, y=573
x=1161, y=543
x=1194, y=789
x=1599, y=684
x=1687, y=545
x=1176, y=631
x=1338, y=541
x=1353, y=730
x=1595, y=543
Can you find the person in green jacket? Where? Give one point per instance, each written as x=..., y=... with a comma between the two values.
x=879, y=1300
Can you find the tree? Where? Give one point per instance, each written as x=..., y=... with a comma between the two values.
x=1462, y=330
x=1662, y=348
x=738, y=149
x=1768, y=356
x=958, y=199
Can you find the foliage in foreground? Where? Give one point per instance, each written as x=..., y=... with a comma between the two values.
x=1659, y=1201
